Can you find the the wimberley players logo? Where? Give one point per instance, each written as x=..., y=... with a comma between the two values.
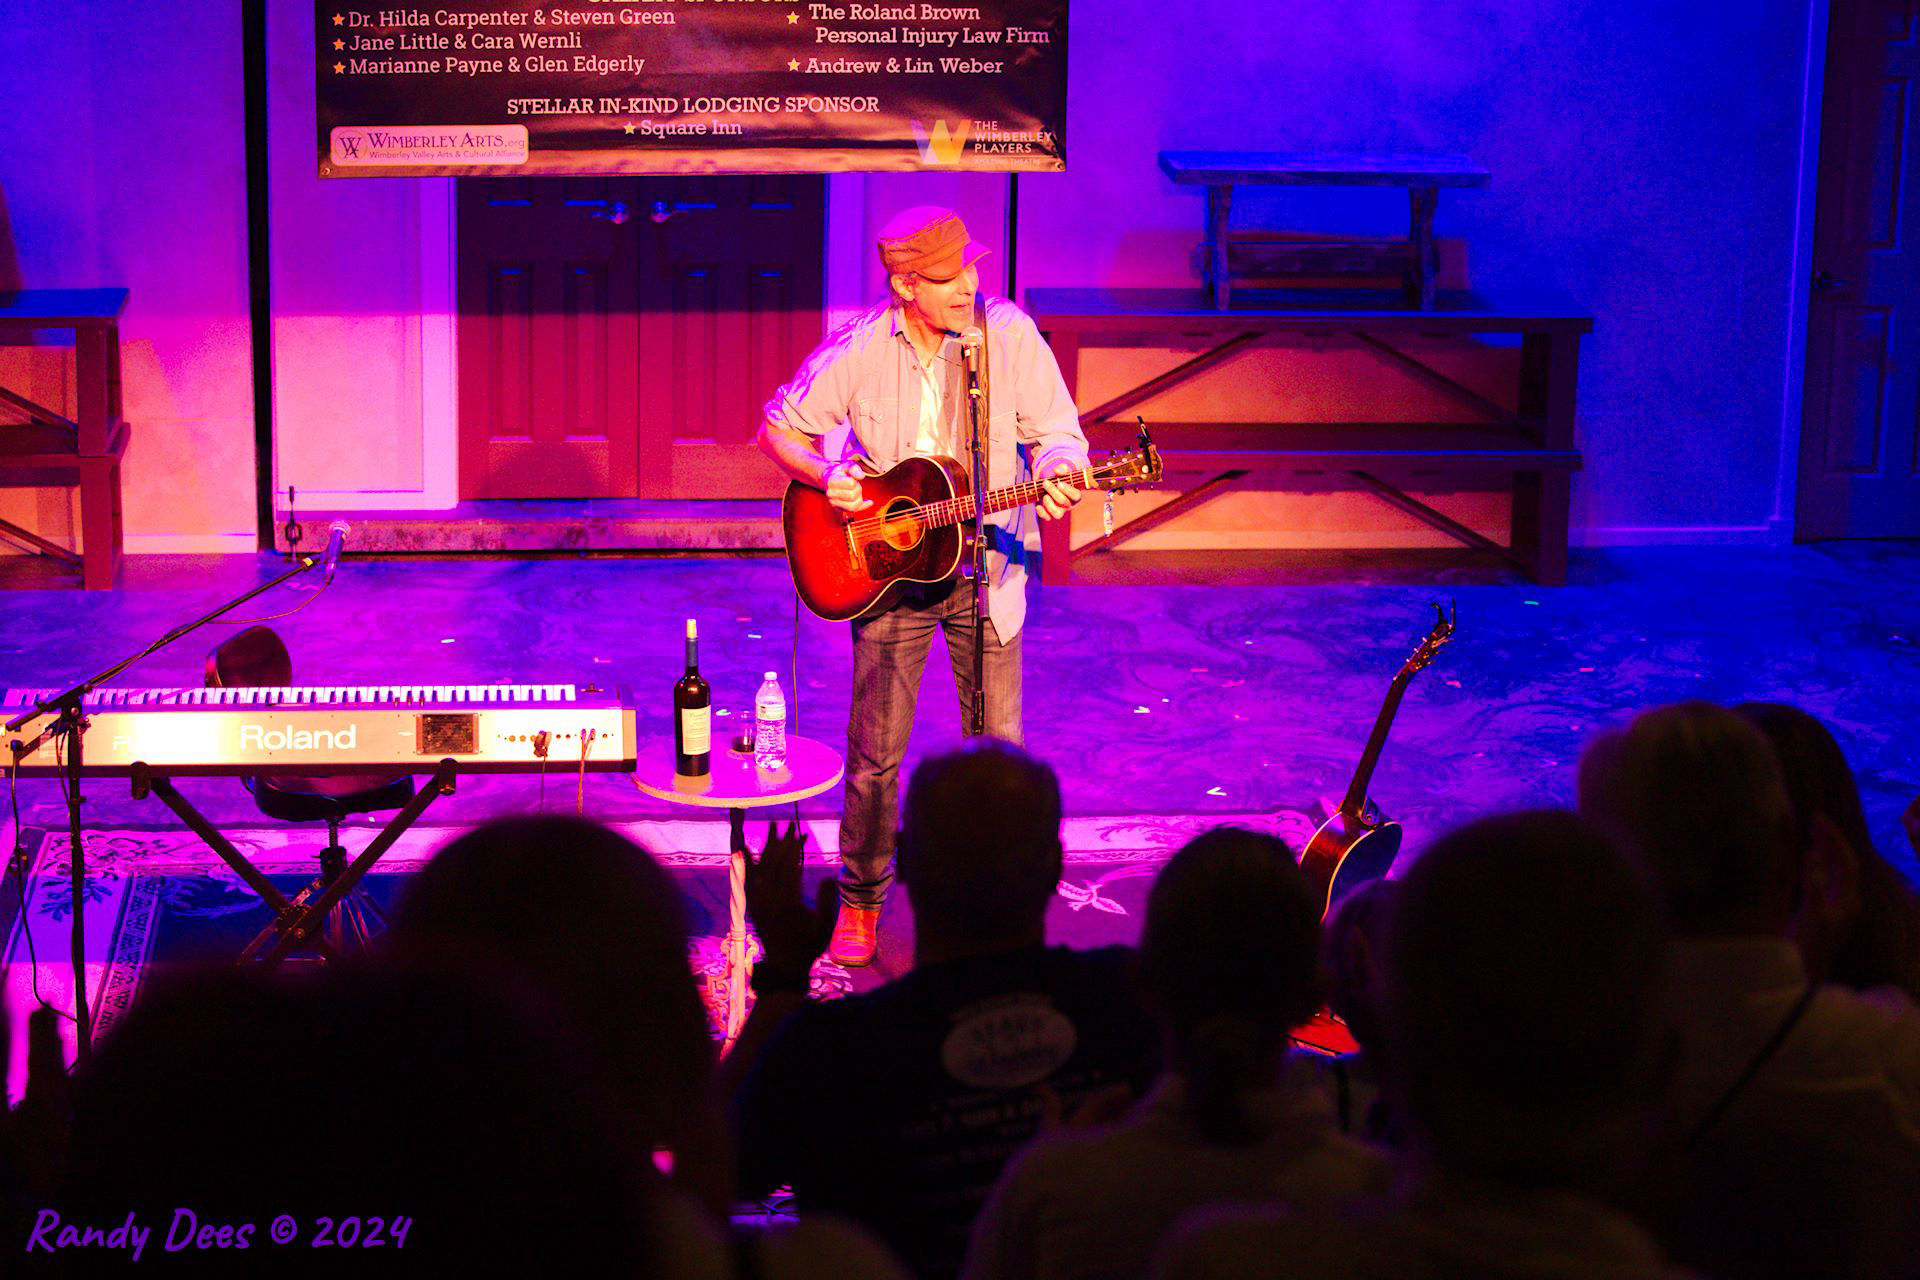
x=941, y=145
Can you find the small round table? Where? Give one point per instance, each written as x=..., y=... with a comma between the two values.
x=734, y=784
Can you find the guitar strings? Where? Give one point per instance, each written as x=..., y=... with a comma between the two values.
x=961, y=508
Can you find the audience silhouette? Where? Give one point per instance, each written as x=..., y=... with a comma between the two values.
x=1519, y=1041
x=1674, y=1030
x=1882, y=946
x=898, y=1108
x=1792, y=1144
x=1351, y=942
x=591, y=920
x=442, y=1111
x=1227, y=966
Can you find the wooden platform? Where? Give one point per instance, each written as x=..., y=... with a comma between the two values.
x=586, y=526
x=1530, y=440
x=84, y=452
x=1225, y=256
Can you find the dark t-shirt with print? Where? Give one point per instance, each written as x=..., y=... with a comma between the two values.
x=900, y=1107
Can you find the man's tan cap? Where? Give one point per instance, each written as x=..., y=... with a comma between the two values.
x=930, y=241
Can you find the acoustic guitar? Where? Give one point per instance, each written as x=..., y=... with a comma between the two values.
x=850, y=564
x=1357, y=843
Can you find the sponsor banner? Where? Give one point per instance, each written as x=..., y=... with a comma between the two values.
x=510, y=87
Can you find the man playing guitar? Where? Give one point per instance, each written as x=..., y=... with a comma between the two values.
x=895, y=375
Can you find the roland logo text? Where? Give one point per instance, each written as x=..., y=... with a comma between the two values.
x=254, y=737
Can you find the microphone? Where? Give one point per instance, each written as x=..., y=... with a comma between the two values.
x=336, y=538
x=971, y=343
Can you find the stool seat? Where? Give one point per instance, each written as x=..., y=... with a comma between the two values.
x=258, y=656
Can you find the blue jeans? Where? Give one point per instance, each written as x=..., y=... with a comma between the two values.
x=889, y=653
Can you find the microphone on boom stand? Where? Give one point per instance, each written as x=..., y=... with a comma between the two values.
x=973, y=344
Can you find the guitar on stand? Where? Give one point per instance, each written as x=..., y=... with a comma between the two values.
x=1356, y=843
x=847, y=566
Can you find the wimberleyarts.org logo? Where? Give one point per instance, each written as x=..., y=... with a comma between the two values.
x=370, y=146
x=946, y=144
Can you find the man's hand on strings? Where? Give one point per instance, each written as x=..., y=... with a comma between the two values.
x=793, y=932
x=1058, y=496
x=843, y=487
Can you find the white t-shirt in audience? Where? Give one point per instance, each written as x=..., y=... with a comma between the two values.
x=1093, y=1205
x=1813, y=1168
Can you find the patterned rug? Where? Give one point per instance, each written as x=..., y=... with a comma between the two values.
x=161, y=897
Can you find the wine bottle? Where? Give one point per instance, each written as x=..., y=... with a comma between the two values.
x=692, y=716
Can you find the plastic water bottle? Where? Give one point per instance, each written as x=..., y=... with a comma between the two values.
x=770, y=725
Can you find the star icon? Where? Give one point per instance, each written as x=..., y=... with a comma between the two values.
x=338, y=67
x=629, y=126
x=793, y=64
x=792, y=18
x=339, y=21
x=339, y=44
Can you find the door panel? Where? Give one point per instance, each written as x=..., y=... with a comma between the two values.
x=1860, y=443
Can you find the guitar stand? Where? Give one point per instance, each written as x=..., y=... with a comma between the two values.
x=328, y=915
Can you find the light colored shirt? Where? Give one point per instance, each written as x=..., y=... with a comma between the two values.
x=929, y=440
x=1094, y=1205
x=1445, y=1229
x=1728, y=996
x=868, y=376
x=1813, y=1166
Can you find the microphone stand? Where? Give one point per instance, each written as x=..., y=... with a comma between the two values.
x=69, y=727
x=975, y=356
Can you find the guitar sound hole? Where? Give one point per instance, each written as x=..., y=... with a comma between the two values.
x=900, y=526
x=900, y=531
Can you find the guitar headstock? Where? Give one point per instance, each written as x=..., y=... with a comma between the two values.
x=1443, y=628
x=1137, y=468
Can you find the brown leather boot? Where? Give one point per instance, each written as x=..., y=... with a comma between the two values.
x=856, y=936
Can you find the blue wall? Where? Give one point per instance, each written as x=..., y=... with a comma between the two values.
x=1645, y=160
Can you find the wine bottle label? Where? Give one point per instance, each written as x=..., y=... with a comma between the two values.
x=696, y=730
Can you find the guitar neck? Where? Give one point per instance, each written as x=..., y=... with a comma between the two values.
x=961, y=509
x=1355, y=801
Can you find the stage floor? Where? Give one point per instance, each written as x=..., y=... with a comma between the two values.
x=1160, y=687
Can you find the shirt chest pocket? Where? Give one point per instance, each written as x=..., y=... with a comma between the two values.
x=874, y=420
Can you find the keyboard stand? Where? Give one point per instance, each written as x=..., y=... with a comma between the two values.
x=297, y=921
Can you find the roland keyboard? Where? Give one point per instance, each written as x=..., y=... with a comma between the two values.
x=320, y=729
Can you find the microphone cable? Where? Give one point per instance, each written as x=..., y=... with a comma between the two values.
x=20, y=859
